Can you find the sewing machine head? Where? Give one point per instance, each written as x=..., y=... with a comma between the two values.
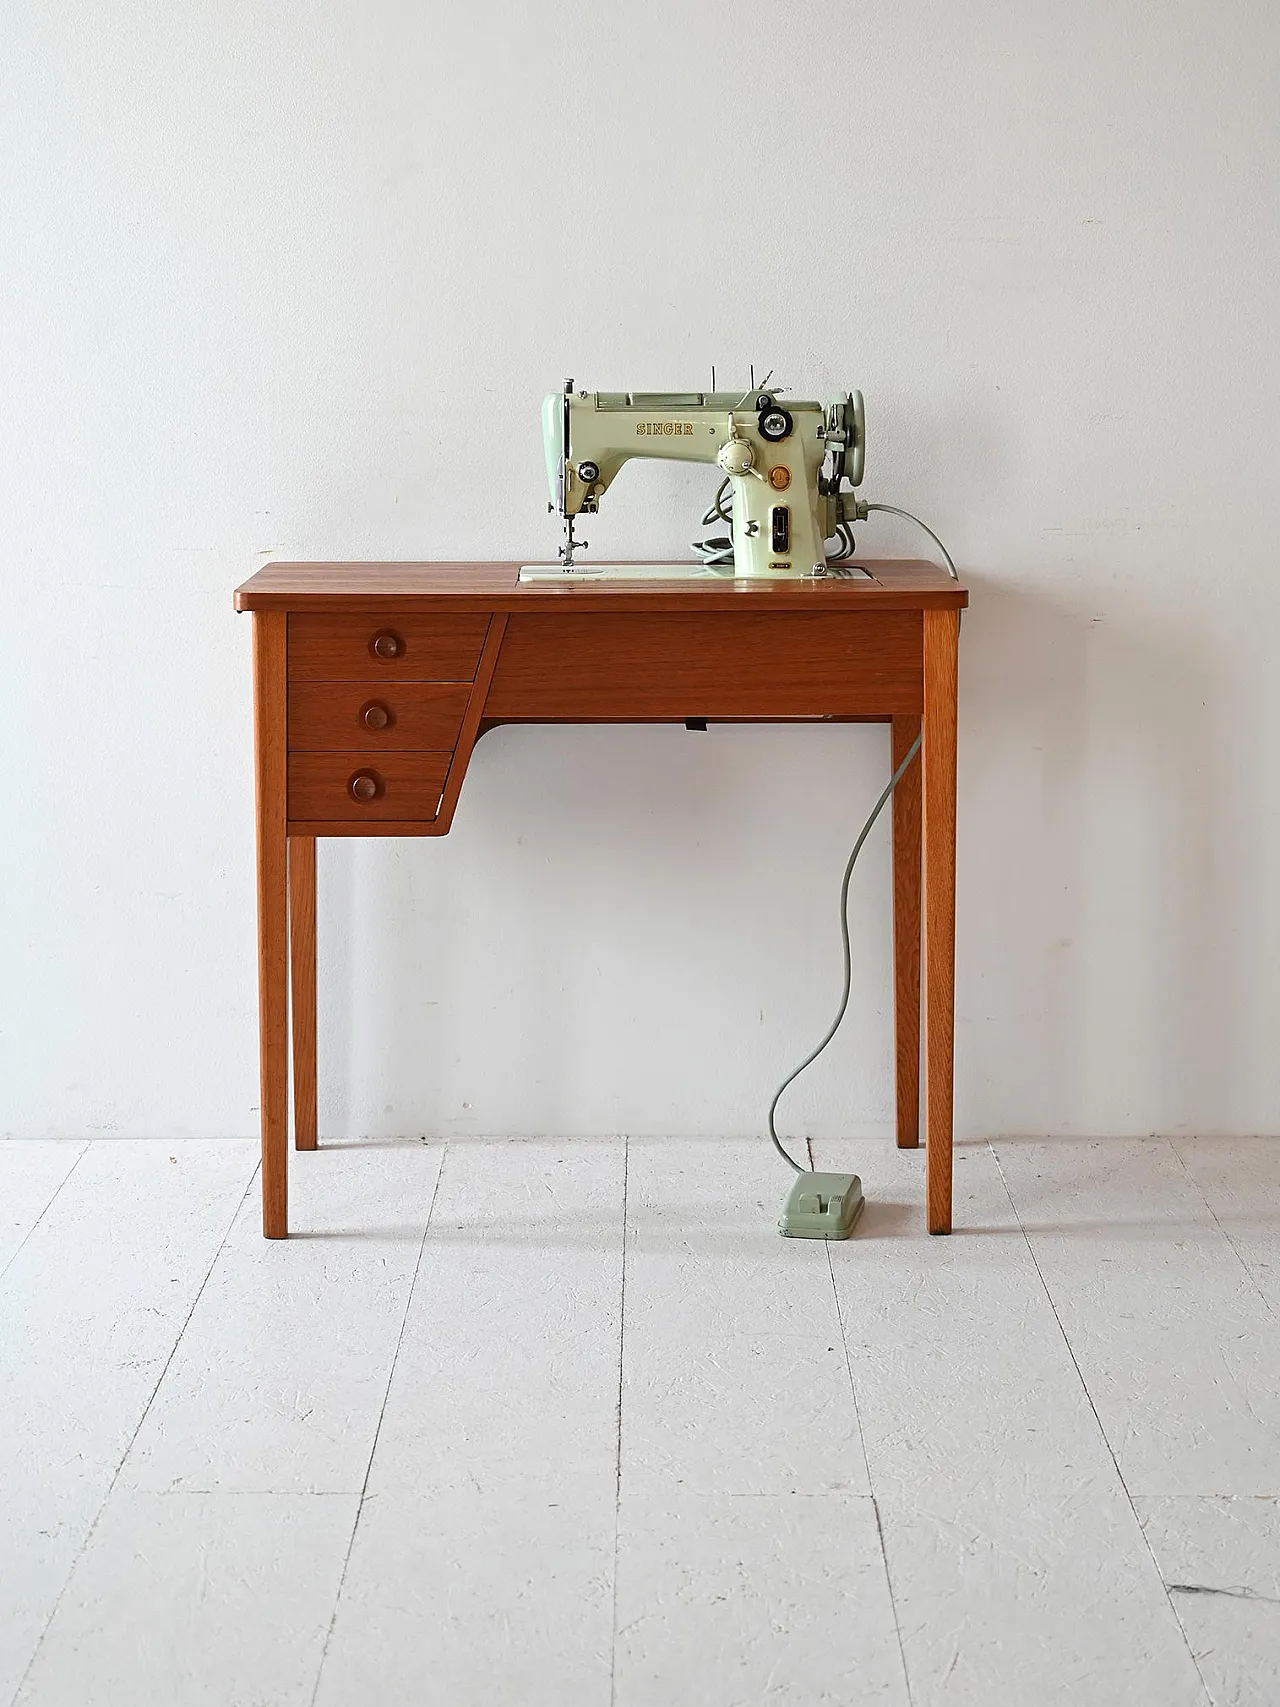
x=781, y=464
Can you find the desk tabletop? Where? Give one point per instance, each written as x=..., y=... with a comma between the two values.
x=896, y=584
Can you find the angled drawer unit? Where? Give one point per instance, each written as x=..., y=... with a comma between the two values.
x=382, y=708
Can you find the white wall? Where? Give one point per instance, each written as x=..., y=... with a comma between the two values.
x=284, y=280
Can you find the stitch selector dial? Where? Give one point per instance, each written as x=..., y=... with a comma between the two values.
x=736, y=456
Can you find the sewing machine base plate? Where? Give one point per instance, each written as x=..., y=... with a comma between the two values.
x=676, y=572
x=822, y=1206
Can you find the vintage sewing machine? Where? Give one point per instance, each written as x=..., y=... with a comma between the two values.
x=782, y=466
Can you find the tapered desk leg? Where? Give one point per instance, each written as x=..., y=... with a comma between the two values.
x=906, y=934
x=302, y=990
x=941, y=635
x=273, y=926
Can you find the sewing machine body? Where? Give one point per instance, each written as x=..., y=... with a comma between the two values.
x=768, y=451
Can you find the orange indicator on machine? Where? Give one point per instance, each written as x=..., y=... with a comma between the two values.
x=779, y=478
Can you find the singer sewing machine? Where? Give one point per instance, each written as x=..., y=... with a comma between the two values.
x=782, y=465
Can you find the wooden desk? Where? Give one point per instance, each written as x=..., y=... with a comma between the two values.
x=373, y=682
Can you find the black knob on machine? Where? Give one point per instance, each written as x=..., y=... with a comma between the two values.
x=588, y=473
x=775, y=424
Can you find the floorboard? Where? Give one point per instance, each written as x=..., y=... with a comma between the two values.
x=281, y=1375
x=1221, y=1560
x=1239, y=1179
x=533, y=1422
x=507, y=1373
x=1018, y=1568
x=236, y=1590
x=1175, y=1343
x=735, y=1379
x=725, y=1600
x=32, y=1172
x=482, y=1565
x=90, y=1311
x=477, y=1600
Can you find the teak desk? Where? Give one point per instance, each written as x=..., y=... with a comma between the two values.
x=373, y=682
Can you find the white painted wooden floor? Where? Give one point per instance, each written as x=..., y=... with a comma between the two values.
x=568, y=1423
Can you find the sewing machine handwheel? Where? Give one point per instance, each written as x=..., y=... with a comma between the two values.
x=856, y=427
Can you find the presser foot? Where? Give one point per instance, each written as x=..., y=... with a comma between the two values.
x=822, y=1206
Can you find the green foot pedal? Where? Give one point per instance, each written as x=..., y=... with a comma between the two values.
x=822, y=1206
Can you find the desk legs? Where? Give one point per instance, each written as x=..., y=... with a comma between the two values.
x=269, y=702
x=941, y=635
x=906, y=934
x=302, y=991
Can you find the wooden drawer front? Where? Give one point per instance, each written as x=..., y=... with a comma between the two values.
x=408, y=786
x=335, y=717
x=421, y=647
x=718, y=664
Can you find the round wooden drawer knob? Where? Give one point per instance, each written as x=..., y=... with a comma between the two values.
x=375, y=716
x=387, y=645
x=365, y=786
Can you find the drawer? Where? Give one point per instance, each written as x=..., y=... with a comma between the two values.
x=335, y=717
x=400, y=785
x=663, y=666
x=409, y=646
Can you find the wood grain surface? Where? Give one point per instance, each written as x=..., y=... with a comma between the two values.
x=896, y=584
x=676, y=664
x=410, y=786
x=269, y=639
x=941, y=635
x=329, y=717
x=302, y=986
x=471, y=722
x=906, y=934
x=475, y=649
x=433, y=646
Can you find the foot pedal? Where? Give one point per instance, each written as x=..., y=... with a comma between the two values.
x=822, y=1206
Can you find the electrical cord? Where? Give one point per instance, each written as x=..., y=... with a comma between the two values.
x=808, y=1061
x=893, y=510
x=717, y=552
x=844, y=536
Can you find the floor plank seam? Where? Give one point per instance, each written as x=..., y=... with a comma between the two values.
x=382, y=1411
x=13, y=1255
x=1234, y=1248
x=1084, y=1388
x=617, y=1488
x=862, y=1442
x=146, y=1410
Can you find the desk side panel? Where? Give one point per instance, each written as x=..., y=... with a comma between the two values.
x=669, y=666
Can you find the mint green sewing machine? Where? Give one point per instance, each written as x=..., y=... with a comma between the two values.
x=782, y=465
